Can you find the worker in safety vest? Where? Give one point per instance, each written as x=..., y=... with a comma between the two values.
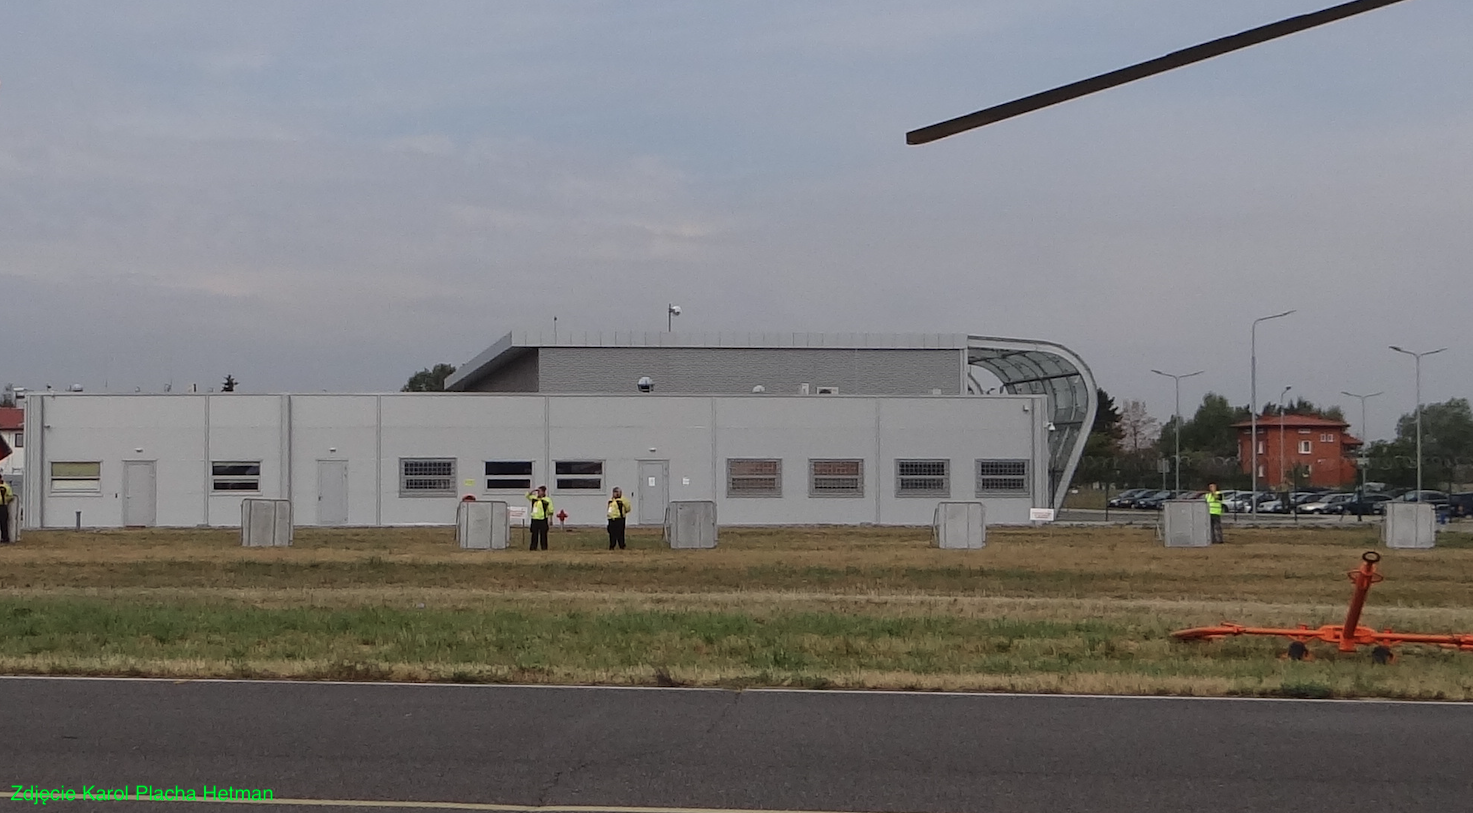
x=618, y=514
x=7, y=496
x=1214, y=510
x=541, y=516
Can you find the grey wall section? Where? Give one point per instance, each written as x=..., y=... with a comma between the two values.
x=519, y=374
x=738, y=370
x=370, y=434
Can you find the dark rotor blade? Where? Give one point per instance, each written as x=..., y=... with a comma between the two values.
x=1171, y=61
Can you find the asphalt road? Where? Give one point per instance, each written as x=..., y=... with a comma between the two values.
x=821, y=751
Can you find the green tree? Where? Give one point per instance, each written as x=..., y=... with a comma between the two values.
x=430, y=379
x=1447, y=447
x=1106, y=434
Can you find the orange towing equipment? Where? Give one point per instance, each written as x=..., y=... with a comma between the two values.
x=1348, y=636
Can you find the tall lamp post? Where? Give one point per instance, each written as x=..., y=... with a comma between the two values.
x=1418, y=358
x=1364, y=438
x=671, y=311
x=1253, y=406
x=1281, y=439
x=1176, y=417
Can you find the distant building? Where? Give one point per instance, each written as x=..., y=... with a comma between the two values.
x=13, y=430
x=1315, y=451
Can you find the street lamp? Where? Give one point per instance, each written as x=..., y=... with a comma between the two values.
x=1281, y=437
x=1418, y=357
x=1364, y=438
x=1253, y=405
x=1177, y=418
x=671, y=311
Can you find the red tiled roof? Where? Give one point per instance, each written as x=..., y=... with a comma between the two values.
x=1293, y=420
x=12, y=419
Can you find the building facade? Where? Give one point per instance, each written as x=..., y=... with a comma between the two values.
x=1300, y=450
x=187, y=460
x=900, y=365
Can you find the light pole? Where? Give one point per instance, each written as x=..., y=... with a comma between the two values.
x=1176, y=417
x=1253, y=396
x=1418, y=357
x=671, y=311
x=1281, y=439
x=1364, y=439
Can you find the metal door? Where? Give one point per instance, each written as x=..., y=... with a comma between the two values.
x=332, y=492
x=140, y=494
x=653, y=491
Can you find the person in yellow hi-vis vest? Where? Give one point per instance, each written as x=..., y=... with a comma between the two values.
x=541, y=516
x=7, y=496
x=1214, y=510
x=618, y=515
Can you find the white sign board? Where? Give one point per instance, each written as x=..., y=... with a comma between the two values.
x=1040, y=515
x=516, y=512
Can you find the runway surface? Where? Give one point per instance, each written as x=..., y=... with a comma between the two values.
x=475, y=747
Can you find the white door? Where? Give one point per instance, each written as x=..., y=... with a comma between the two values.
x=332, y=492
x=653, y=492
x=140, y=494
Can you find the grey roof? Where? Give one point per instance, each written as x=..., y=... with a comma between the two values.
x=516, y=342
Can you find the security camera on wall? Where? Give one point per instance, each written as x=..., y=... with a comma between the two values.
x=645, y=384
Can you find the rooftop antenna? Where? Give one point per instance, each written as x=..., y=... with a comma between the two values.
x=1142, y=70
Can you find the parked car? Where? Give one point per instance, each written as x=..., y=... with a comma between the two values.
x=1367, y=505
x=1282, y=506
x=1324, y=503
x=1461, y=504
x=1431, y=497
x=1124, y=498
x=1244, y=501
x=1149, y=496
x=1155, y=502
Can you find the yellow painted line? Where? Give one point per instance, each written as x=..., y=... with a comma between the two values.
x=486, y=806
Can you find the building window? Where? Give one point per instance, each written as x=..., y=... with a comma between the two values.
x=579, y=475
x=427, y=477
x=1304, y=447
x=836, y=478
x=923, y=478
x=754, y=478
x=1327, y=438
x=20, y=441
x=235, y=475
x=1304, y=431
x=508, y=475
x=1002, y=477
x=76, y=478
x=1260, y=447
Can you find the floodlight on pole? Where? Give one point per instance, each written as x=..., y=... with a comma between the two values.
x=1365, y=438
x=671, y=311
x=1176, y=419
x=1253, y=399
x=1418, y=358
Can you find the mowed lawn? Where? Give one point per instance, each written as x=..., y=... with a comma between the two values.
x=1049, y=609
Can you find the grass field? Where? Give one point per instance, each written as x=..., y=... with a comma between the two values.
x=1049, y=609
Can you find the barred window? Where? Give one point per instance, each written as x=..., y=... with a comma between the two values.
x=836, y=478
x=923, y=478
x=579, y=475
x=754, y=478
x=1002, y=477
x=508, y=474
x=427, y=476
x=235, y=475
x=76, y=478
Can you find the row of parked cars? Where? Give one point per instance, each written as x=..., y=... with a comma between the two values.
x=1299, y=502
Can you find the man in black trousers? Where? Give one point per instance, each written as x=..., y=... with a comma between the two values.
x=618, y=517
x=541, y=516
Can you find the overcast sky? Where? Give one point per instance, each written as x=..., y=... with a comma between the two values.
x=333, y=195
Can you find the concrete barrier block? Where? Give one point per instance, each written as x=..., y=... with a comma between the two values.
x=1409, y=525
x=1186, y=524
x=265, y=523
x=691, y=524
x=483, y=525
x=959, y=526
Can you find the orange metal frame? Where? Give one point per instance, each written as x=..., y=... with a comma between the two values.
x=1348, y=636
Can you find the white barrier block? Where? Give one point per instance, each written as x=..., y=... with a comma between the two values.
x=1186, y=524
x=1409, y=525
x=959, y=526
x=691, y=524
x=483, y=525
x=265, y=523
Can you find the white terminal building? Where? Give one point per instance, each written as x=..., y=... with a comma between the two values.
x=776, y=429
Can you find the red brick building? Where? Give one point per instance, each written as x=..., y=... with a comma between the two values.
x=1323, y=452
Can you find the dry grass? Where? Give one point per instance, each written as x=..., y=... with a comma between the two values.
x=1051, y=609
